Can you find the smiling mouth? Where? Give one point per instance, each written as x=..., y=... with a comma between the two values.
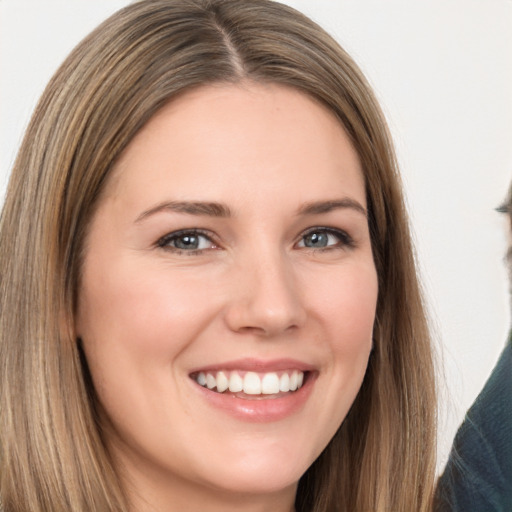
x=251, y=384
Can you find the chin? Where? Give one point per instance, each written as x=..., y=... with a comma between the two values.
x=262, y=482
x=260, y=475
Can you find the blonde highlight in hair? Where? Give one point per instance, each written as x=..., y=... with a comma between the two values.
x=52, y=454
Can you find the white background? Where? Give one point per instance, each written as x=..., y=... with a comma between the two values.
x=443, y=73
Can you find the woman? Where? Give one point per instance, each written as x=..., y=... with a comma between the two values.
x=209, y=299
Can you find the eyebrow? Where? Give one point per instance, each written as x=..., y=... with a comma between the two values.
x=190, y=207
x=318, y=207
x=213, y=209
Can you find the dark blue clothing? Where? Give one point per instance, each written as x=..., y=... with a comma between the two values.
x=478, y=475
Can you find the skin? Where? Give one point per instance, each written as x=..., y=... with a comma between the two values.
x=150, y=314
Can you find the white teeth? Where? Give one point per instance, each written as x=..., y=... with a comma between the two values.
x=284, y=383
x=222, y=382
x=210, y=381
x=270, y=384
x=201, y=379
x=236, y=383
x=251, y=383
x=293, y=381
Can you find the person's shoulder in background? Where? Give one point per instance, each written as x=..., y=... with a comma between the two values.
x=478, y=475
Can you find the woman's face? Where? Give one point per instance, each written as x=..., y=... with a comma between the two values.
x=229, y=261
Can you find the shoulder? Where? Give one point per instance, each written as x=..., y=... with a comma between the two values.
x=478, y=475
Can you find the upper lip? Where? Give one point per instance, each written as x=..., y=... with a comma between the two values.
x=257, y=365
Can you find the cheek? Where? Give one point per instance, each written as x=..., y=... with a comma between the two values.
x=347, y=312
x=134, y=328
x=140, y=310
x=134, y=325
x=343, y=305
x=348, y=306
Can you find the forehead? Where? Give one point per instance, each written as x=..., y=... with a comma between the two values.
x=248, y=139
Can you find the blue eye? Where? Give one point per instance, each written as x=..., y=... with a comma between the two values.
x=188, y=241
x=324, y=238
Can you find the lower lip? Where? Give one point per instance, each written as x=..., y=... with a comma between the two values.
x=258, y=409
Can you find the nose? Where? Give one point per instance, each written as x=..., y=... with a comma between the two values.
x=266, y=298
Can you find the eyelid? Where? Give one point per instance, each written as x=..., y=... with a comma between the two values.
x=344, y=238
x=164, y=241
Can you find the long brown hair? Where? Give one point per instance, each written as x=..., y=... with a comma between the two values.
x=52, y=455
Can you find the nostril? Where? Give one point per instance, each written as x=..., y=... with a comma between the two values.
x=265, y=322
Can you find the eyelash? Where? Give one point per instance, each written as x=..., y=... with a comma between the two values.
x=165, y=241
x=345, y=241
